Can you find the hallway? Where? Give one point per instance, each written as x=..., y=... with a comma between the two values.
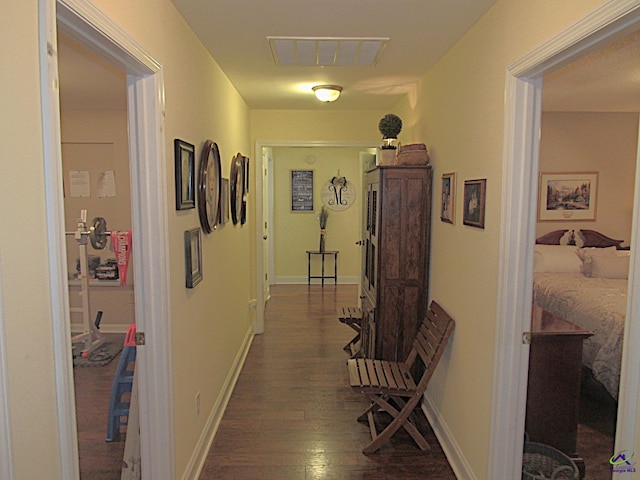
x=292, y=415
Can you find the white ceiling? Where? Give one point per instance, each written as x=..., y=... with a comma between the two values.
x=236, y=33
x=420, y=32
x=605, y=80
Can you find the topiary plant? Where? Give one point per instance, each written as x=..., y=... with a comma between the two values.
x=390, y=126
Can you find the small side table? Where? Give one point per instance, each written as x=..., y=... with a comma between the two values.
x=310, y=253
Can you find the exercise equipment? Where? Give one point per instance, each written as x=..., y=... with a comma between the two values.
x=98, y=235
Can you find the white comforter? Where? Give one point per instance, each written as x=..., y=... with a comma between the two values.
x=596, y=304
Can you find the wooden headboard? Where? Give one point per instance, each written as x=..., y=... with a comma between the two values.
x=591, y=238
x=553, y=238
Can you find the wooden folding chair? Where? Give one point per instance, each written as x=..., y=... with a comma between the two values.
x=352, y=317
x=391, y=386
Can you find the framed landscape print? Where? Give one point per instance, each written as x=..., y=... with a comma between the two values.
x=567, y=196
x=474, y=202
x=448, y=204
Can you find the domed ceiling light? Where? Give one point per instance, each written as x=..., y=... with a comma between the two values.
x=327, y=93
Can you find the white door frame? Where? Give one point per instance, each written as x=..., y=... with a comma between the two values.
x=259, y=169
x=6, y=458
x=519, y=200
x=85, y=23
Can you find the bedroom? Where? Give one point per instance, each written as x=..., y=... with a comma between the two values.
x=600, y=143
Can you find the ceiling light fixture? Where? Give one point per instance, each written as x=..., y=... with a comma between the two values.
x=327, y=93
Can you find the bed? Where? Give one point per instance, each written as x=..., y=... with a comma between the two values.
x=582, y=277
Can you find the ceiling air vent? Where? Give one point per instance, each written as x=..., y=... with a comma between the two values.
x=326, y=51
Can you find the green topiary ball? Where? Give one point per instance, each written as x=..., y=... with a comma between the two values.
x=390, y=126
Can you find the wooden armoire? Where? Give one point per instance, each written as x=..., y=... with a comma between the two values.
x=395, y=271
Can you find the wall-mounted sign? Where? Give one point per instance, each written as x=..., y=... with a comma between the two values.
x=302, y=190
x=338, y=194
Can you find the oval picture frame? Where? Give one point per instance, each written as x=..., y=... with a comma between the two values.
x=209, y=186
x=236, y=188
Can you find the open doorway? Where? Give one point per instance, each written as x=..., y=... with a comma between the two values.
x=520, y=196
x=83, y=22
x=305, y=156
x=95, y=166
x=588, y=150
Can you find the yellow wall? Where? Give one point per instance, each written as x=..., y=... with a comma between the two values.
x=354, y=127
x=459, y=113
x=594, y=142
x=210, y=322
x=296, y=232
x=23, y=251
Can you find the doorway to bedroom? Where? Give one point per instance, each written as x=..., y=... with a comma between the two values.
x=587, y=162
x=523, y=101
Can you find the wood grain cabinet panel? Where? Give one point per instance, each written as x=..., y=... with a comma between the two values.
x=396, y=257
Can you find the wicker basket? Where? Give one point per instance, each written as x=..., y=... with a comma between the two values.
x=542, y=462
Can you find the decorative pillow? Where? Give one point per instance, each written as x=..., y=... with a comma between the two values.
x=556, y=258
x=588, y=253
x=609, y=267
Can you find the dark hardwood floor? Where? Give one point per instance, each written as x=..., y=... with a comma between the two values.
x=292, y=414
x=99, y=460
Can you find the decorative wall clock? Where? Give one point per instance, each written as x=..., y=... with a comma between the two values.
x=209, y=186
x=338, y=194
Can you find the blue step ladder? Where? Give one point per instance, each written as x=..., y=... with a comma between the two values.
x=120, y=400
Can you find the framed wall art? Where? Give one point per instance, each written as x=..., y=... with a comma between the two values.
x=245, y=174
x=474, y=202
x=209, y=186
x=224, y=202
x=185, y=154
x=567, y=196
x=302, y=190
x=448, y=204
x=236, y=188
x=193, y=257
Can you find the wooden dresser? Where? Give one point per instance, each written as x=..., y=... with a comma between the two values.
x=396, y=259
x=553, y=392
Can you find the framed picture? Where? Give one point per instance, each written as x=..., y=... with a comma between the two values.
x=448, y=206
x=302, y=190
x=209, y=186
x=236, y=188
x=224, y=202
x=185, y=174
x=245, y=172
x=193, y=257
x=567, y=196
x=474, y=202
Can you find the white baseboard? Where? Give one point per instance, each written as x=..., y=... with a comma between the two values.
x=451, y=449
x=315, y=281
x=196, y=462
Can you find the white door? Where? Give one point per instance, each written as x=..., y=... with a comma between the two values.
x=366, y=162
x=267, y=204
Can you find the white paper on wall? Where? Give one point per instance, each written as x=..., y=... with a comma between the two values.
x=107, y=184
x=79, y=183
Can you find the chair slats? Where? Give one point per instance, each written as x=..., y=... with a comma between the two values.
x=352, y=317
x=381, y=380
